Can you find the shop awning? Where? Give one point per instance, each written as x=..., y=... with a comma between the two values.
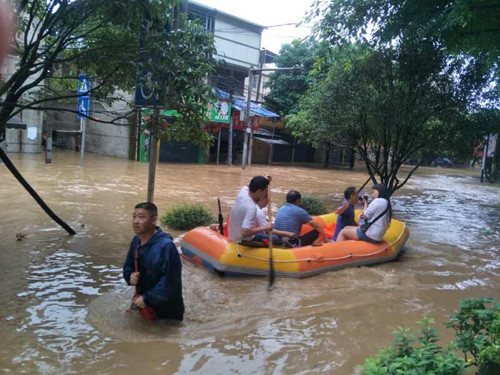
x=240, y=105
x=166, y=113
x=221, y=94
x=255, y=109
x=272, y=141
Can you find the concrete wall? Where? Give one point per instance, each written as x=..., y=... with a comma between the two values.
x=107, y=139
x=100, y=138
x=16, y=139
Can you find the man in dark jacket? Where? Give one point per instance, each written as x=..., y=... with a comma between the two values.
x=153, y=266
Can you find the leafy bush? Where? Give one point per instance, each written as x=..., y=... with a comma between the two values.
x=187, y=216
x=415, y=355
x=477, y=329
x=313, y=204
x=477, y=334
x=492, y=352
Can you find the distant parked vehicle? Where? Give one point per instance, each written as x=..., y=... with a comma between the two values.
x=442, y=162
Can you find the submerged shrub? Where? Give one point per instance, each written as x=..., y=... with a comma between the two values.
x=313, y=204
x=477, y=330
x=415, y=354
x=187, y=216
x=477, y=337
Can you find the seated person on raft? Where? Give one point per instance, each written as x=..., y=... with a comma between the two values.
x=261, y=221
x=345, y=213
x=292, y=216
x=244, y=212
x=377, y=215
x=278, y=235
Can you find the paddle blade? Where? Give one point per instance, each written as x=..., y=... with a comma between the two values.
x=221, y=219
x=221, y=225
x=271, y=269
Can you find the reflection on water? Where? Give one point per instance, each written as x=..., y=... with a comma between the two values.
x=65, y=299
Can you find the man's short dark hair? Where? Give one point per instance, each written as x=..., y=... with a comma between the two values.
x=150, y=207
x=348, y=192
x=293, y=196
x=258, y=183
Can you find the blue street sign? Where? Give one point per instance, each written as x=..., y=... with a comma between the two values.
x=82, y=109
x=83, y=85
x=147, y=91
x=83, y=96
x=83, y=106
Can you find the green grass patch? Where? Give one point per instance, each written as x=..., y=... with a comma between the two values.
x=187, y=216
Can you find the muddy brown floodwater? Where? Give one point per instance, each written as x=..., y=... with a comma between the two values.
x=63, y=298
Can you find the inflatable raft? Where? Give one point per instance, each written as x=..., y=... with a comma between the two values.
x=214, y=251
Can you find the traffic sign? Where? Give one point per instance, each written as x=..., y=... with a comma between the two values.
x=83, y=106
x=83, y=92
x=83, y=85
x=148, y=91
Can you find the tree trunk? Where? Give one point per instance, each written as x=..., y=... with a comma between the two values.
x=327, y=156
x=352, y=159
x=33, y=193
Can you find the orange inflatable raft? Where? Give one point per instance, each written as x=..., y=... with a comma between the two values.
x=214, y=251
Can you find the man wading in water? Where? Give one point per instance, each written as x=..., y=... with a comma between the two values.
x=153, y=266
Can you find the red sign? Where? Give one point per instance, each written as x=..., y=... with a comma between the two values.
x=241, y=125
x=237, y=123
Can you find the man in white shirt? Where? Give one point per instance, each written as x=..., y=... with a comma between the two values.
x=244, y=212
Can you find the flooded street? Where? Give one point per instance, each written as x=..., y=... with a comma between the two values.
x=64, y=297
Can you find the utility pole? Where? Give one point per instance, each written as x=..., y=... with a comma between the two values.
x=230, y=137
x=48, y=129
x=83, y=106
x=259, y=82
x=218, y=144
x=83, y=123
x=248, y=131
x=153, y=145
x=138, y=135
x=48, y=141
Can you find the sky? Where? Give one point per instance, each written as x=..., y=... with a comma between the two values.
x=268, y=13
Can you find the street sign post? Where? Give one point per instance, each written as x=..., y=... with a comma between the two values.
x=149, y=91
x=83, y=108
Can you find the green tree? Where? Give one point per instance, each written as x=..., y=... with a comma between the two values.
x=391, y=102
x=467, y=29
x=287, y=87
x=101, y=38
x=57, y=39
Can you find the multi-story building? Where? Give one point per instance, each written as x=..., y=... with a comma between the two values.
x=238, y=44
